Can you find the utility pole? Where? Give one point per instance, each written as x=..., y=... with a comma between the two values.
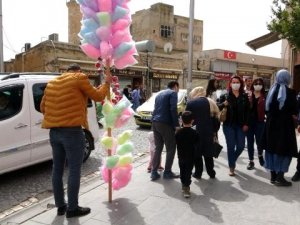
x=1, y=40
x=190, y=50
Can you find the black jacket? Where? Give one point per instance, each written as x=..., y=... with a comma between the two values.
x=238, y=110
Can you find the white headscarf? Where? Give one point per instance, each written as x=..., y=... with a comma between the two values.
x=283, y=78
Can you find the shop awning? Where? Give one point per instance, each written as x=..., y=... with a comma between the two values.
x=263, y=40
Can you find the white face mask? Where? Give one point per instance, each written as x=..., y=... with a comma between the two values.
x=257, y=87
x=235, y=87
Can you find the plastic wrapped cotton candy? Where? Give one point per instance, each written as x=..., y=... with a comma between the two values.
x=124, y=136
x=105, y=32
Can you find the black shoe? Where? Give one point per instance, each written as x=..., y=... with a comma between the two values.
x=273, y=177
x=155, y=176
x=212, y=174
x=296, y=177
x=80, y=211
x=280, y=181
x=198, y=177
x=170, y=175
x=250, y=166
x=283, y=183
x=61, y=210
x=261, y=160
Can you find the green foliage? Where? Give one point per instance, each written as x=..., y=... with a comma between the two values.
x=285, y=21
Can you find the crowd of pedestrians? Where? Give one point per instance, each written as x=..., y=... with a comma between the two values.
x=267, y=120
x=254, y=118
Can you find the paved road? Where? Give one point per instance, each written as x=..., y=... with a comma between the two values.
x=25, y=186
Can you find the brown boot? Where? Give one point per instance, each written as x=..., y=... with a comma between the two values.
x=231, y=172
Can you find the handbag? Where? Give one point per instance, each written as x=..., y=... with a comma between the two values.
x=223, y=114
x=217, y=148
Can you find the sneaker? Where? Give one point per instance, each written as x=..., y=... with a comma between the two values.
x=80, y=211
x=196, y=176
x=250, y=165
x=154, y=176
x=170, y=175
x=186, y=192
x=61, y=210
x=296, y=176
x=261, y=160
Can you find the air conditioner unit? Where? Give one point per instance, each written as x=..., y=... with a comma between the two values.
x=53, y=37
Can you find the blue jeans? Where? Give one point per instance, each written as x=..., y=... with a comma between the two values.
x=235, y=140
x=255, y=130
x=67, y=143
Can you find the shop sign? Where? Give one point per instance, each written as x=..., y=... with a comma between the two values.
x=201, y=76
x=267, y=75
x=223, y=76
x=156, y=75
x=129, y=73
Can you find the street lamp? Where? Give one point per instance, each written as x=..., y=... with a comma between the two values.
x=190, y=50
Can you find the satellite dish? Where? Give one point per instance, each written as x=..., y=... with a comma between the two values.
x=168, y=47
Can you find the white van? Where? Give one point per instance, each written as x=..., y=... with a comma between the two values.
x=22, y=140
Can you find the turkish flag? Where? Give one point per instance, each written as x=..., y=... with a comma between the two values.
x=229, y=55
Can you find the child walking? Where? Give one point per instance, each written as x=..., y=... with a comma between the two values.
x=151, y=150
x=186, y=140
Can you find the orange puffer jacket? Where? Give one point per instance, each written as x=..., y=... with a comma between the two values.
x=65, y=100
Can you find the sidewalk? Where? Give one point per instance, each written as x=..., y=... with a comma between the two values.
x=248, y=198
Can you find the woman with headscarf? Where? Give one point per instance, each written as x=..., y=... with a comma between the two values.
x=279, y=139
x=205, y=111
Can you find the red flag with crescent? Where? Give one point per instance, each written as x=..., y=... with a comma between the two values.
x=229, y=55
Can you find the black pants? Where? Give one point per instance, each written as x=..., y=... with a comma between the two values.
x=186, y=168
x=298, y=162
x=209, y=164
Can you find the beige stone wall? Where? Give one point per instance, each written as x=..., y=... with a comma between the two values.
x=146, y=25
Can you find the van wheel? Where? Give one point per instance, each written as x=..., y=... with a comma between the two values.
x=88, y=146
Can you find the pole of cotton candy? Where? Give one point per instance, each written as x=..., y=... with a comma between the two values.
x=119, y=163
x=105, y=34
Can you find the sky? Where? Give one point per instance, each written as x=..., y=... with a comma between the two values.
x=227, y=24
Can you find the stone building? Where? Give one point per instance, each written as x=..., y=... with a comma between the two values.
x=169, y=32
x=155, y=69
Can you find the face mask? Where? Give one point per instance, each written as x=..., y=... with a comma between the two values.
x=257, y=87
x=235, y=86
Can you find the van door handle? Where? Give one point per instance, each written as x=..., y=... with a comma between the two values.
x=20, y=125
